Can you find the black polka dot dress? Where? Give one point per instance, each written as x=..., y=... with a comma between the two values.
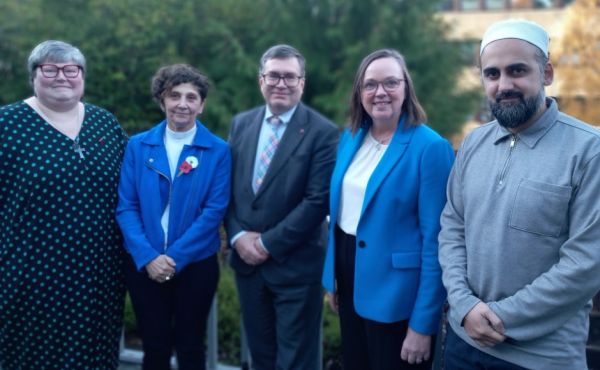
x=61, y=283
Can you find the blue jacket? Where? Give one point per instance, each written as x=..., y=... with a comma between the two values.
x=397, y=274
x=198, y=198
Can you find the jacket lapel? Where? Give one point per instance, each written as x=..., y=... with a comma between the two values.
x=250, y=146
x=293, y=135
x=157, y=156
x=392, y=156
x=348, y=147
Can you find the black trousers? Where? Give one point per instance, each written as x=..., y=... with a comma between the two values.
x=366, y=344
x=173, y=314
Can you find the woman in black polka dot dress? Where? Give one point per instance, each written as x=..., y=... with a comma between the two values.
x=61, y=284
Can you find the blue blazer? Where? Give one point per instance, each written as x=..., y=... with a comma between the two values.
x=198, y=199
x=397, y=274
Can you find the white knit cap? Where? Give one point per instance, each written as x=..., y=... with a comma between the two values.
x=520, y=29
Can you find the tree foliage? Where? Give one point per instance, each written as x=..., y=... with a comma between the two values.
x=126, y=41
x=577, y=54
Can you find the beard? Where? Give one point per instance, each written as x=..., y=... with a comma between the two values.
x=513, y=115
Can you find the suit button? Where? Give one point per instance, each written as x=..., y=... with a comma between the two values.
x=362, y=244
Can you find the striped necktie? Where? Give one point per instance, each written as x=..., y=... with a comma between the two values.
x=268, y=151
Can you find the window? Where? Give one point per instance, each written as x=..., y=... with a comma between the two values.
x=495, y=4
x=470, y=4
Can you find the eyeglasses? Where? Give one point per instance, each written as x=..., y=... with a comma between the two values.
x=389, y=84
x=272, y=79
x=51, y=70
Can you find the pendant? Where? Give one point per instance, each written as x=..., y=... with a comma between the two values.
x=77, y=148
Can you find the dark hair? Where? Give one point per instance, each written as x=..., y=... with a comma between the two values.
x=166, y=78
x=282, y=52
x=411, y=106
x=54, y=51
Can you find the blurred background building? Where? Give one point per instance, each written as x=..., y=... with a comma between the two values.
x=574, y=29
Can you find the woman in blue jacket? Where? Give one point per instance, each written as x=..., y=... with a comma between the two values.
x=387, y=194
x=174, y=189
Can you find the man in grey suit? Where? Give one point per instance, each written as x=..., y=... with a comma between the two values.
x=283, y=155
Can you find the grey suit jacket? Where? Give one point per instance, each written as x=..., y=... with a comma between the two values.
x=290, y=207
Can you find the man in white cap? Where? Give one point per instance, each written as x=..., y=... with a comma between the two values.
x=520, y=239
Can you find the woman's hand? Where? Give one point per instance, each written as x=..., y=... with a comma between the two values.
x=161, y=269
x=416, y=347
x=332, y=299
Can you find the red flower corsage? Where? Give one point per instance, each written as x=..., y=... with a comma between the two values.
x=189, y=164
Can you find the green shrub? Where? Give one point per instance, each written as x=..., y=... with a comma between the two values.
x=332, y=341
x=132, y=336
x=228, y=316
x=129, y=317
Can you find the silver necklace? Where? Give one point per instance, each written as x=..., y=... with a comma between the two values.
x=379, y=144
x=383, y=141
x=77, y=148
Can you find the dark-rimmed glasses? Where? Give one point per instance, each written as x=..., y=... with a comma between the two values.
x=51, y=70
x=272, y=79
x=389, y=85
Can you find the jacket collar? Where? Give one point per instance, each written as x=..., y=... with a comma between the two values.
x=293, y=135
x=393, y=154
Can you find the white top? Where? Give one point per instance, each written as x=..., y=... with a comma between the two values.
x=355, y=182
x=174, y=143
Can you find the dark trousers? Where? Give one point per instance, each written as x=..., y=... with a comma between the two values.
x=460, y=355
x=173, y=314
x=366, y=344
x=282, y=322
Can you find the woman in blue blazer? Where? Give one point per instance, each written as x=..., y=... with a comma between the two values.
x=387, y=194
x=173, y=192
